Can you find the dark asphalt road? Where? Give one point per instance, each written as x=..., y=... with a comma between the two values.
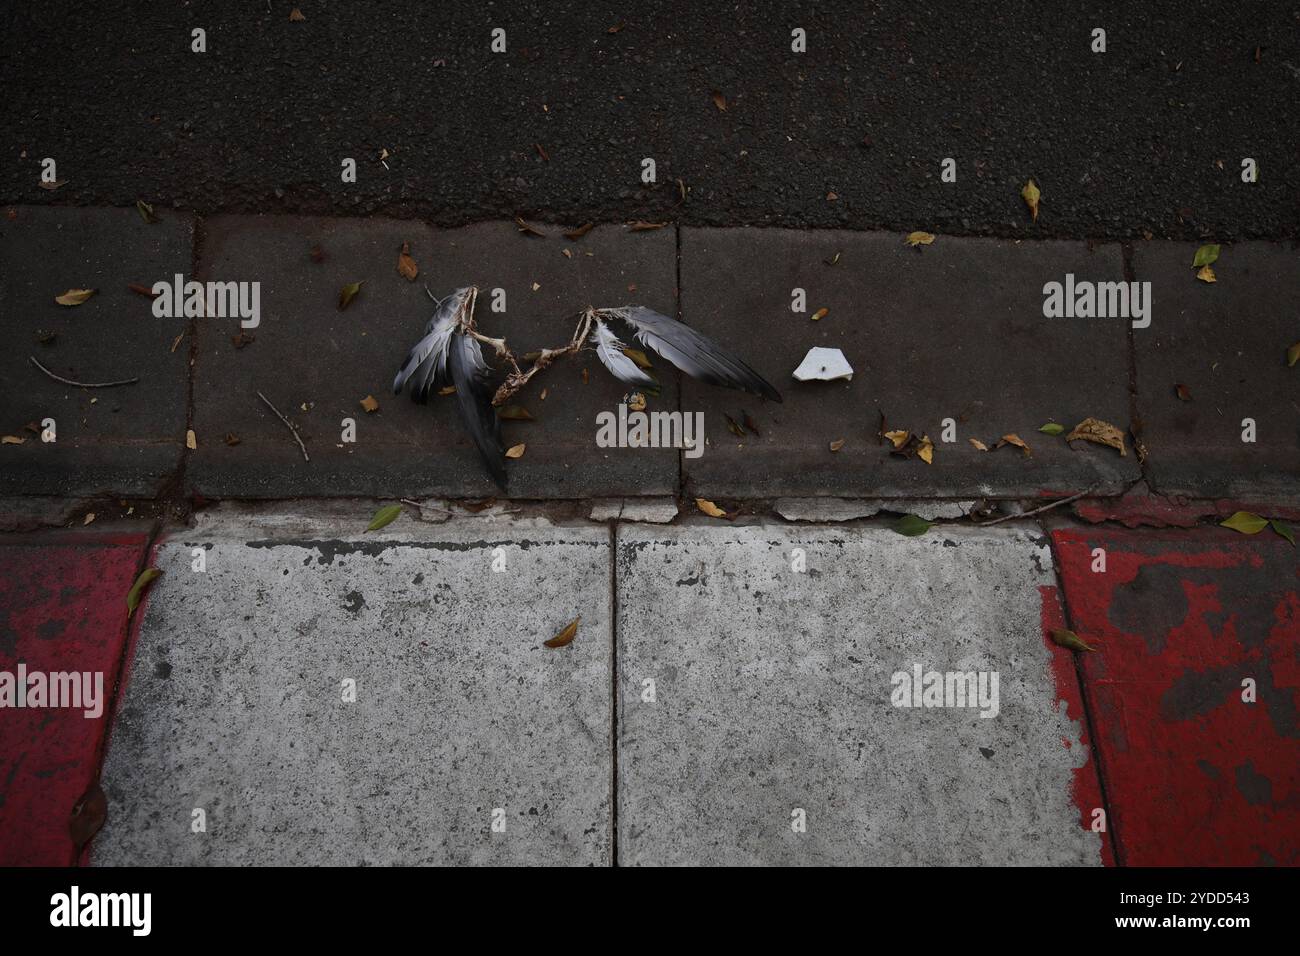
x=1119, y=142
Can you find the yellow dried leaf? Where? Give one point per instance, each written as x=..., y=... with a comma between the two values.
x=899, y=438
x=447, y=390
x=709, y=508
x=925, y=451
x=837, y=444
x=915, y=239
x=11, y=440
x=370, y=404
x=979, y=445
x=349, y=292
x=1031, y=195
x=191, y=441
x=516, y=451
x=820, y=314
x=639, y=357
x=74, y=296
x=295, y=16
x=406, y=266
x=1206, y=274
x=636, y=403
x=565, y=636
x=1102, y=433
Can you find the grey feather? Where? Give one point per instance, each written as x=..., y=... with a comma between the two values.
x=471, y=376
x=610, y=351
x=425, y=367
x=695, y=354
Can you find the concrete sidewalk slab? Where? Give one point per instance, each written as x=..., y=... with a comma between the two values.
x=235, y=704
x=121, y=441
x=1195, y=775
x=772, y=695
x=952, y=330
x=62, y=611
x=1226, y=342
x=308, y=352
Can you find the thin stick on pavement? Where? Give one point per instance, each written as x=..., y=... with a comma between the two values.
x=68, y=381
x=288, y=423
x=1047, y=507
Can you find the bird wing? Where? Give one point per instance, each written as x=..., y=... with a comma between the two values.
x=695, y=354
x=426, y=365
x=610, y=350
x=470, y=375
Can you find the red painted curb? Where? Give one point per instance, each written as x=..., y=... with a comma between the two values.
x=62, y=609
x=1194, y=775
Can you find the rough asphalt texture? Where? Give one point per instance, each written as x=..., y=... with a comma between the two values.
x=1119, y=142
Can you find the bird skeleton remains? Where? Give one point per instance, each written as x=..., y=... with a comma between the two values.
x=450, y=352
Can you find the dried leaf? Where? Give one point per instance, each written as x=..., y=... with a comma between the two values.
x=50, y=187
x=979, y=445
x=144, y=290
x=1102, y=433
x=911, y=525
x=643, y=226
x=74, y=296
x=749, y=423
x=1031, y=195
x=542, y=397
x=832, y=196
x=11, y=440
x=709, y=508
x=231, y=439
x=1206, y=274
x=1283, y=530
x=384, y=517
x=899, y=438
x=616, y=27
x=915, y=239
x=1069, y=639
x=925, y=450
x=147, y=577
x=636, y=402
x=565, y=636
x=837, y=444
x=820, y=314
x=176, y=341
x=447, y=390
x=1052, y=428
x=833, y=259
x=515, y=413
x=88, y=816
x=541, y=151
x=370, y=404
x=1293, y=355
x=406, y=266
x=567, y=253
x=1183, y=392
x=1205, y=256
x=1245, y=522
x=1012, y=439
x=295, y=16
x=516, y=451
x=719, y=101
x=191, y=441
x=348, y=293
x=639, y=357
x=88, y=519
x=146, y=211
x=240, y=339
x=527, y=229
x=576, y=234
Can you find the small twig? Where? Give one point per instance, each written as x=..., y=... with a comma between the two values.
x=1047, y=507
x=288, y=423
x=68, y=381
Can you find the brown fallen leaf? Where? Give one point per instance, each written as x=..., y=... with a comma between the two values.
x=88, y=816
x=46, y=337
x=50, y=187
x=348, y=293
x=837, y=444
x=1183, y=392
x=144, y=290
x=542, y=397
x=616, y=27
x=239, y=340
x=585, y=377
x=1206, y=274
x=1099, y=432
x=146, y=212
x=1031, y=195
x=191, y=441
x=709, y=508
x=515, y=413
x=1064, y=638
x=74, y=296
x=636, y=402
x=820, y=314
x=1013, y=439
x=565, y=636
x=447, y=390
x=527, y=229
x=831, y=197
x=176, y=341
x=925, y=451
x=576, y=234
x=833, y=259
x=749, y=423
x=567, y=253
x=370, y=404
x=90, y=516
x=979, y=445
x=11, y=440
x=406, y=266
x=733, y=426
x=295, y=16
x=516, y=451
x=639, y=357
x=642, y=226
x=231, y=439
x=898, y=437
x=915, y=239
x=719, y=101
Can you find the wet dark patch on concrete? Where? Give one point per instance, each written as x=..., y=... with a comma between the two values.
x=1255, y=787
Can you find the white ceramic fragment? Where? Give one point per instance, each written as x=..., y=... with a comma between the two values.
x=823, y=365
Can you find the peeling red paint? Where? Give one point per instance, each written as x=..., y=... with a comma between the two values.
x=62, y=608
x=1085, y=789
x=1194, y=776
